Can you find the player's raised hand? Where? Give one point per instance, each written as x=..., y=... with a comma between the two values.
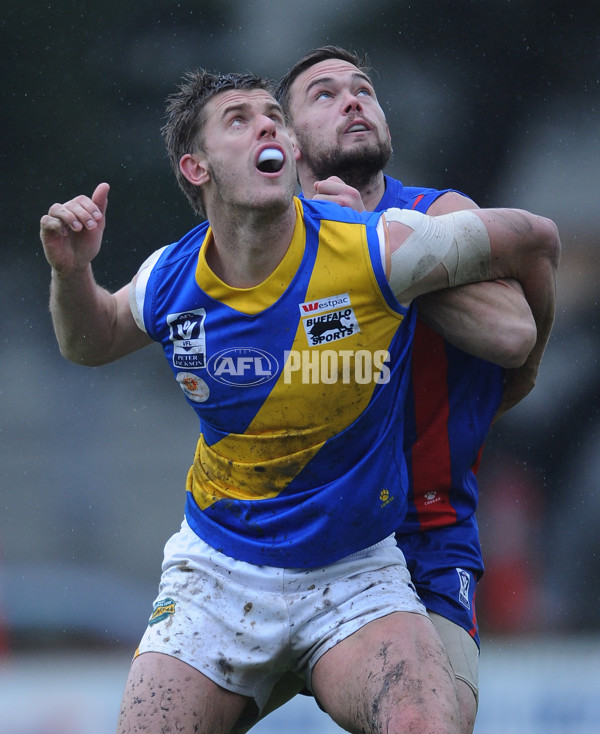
x=334, y=189
x=71, y=233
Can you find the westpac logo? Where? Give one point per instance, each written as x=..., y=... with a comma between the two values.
x=243, y=366
x=326, y=304
x=328, y=320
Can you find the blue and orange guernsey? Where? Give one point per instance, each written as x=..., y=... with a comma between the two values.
x=299, y=386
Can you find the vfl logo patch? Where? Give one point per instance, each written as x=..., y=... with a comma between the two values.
x=464, y=579
x=328, y=320
x=189, y=339
x=163, y=608
x=242, y=367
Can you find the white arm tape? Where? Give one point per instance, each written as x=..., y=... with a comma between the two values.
x=137, y=289
x=459, y=241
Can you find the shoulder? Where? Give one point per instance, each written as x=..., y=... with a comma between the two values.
x=187, y=246
x=422, y=198
x=450, y=201
x=160, y=269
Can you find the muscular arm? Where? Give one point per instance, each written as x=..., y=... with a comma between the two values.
x=521, y=246
x=491, y=319
x=92, y=326
x=536, y=267
x=506, y=317
x=496, y=311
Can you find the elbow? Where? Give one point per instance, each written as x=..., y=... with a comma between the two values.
x=81, y=357
x=548, y=236
x=541, y=238
x=555, y=243
x=517, y=345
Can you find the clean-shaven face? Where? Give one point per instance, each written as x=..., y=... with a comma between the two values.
x=339, y=125
x=247, y=150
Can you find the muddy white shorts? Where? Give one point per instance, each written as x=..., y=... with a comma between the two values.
x=243, y=625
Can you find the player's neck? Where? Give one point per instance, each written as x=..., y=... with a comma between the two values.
x=372, y=191
x=246, y=249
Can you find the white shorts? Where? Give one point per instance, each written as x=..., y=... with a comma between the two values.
x=243, y=625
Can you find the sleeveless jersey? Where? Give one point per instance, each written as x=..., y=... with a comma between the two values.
x=451, y=402
x=298, y=384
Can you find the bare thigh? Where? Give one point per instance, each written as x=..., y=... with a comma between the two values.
x=467, y=705
x=391, y=676
x=166, y=695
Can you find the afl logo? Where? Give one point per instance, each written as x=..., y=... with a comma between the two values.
x=243, y=367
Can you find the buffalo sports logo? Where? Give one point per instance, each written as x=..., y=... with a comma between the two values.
x=328, y=319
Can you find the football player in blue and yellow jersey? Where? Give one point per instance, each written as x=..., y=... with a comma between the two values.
x=288, y=325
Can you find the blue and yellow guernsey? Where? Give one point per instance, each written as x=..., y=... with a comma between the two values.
x=299, y=386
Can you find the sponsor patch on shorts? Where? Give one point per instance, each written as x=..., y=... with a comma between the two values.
x=163, y=608
x=465, y=583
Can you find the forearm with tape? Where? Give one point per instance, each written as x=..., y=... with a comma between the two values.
x=459, y=241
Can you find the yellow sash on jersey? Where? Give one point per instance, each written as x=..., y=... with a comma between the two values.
x=313, y=402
